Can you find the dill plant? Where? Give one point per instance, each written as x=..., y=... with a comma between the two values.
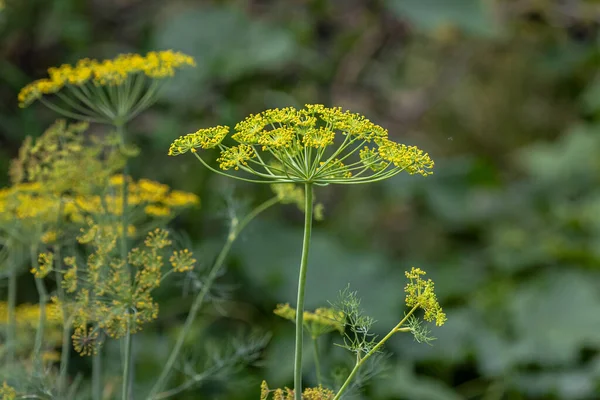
x=69, y=185
x=313, y=146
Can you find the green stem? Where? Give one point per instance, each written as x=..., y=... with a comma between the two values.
x=199, y=300
x=97, y=376
x=125, y=194
x=125, y=389
x=39, y=335
x=12, y=316
x=308, y=212
x=374, y=350
x=128, y=361
x=317, y=362
x=66, y=332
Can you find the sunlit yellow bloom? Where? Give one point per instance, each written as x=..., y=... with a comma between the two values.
x=157, y=211
x=178, y=198
x=420, y=292
x=112, y=72
x=316, y=144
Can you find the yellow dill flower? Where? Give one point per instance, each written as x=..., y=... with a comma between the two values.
x=7, y=392
x=85, y=341
x=49, y=237
x=157, y=211
x=45, y=261
x=157, y=239
x=277, y=138
x=318, y=138
x=316, y=144
x=111, y=90
x=317, y=393
x=236, y=156
x=420, y=292
x=151, y=191
x=202, y=138
x=69, y=282
x=182, y=260
x=178, y=198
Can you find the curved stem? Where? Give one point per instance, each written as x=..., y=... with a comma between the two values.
x=237, y=177
x=374, y=350
x=199, y=300
x=308, y=207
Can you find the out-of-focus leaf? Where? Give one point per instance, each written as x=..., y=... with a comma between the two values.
x=226, y=44
x=471, y=16
x=554, y=317
x=570, y=161
x=401, y=381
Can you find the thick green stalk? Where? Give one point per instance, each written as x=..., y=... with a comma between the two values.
x=374, y=350
x=97, y=376
x=308, y=212
x=317, y=361
x=199, y=300
x=125, y=388
x=12, y=305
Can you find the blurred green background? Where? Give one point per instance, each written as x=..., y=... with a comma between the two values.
x=505, y=97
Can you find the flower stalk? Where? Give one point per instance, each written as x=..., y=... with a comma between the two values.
x=308, y=217
x=234, y=233
x=375, y=349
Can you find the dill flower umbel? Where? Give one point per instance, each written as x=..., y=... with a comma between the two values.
x=104, y=295
x=106, y=91
x=318, y=393
x=316, y=144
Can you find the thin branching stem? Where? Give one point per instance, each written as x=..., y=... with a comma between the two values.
x=375, y=349
x=200, y=298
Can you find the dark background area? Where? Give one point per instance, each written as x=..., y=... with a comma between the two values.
x=505, y=97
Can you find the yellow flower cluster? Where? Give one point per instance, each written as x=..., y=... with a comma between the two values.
x=107, y=296
x=28, y=315
x=318, y=393
x=44, y=267
x=314, y=144
x=420, y=292
x=182, y=260
x=113, y=72
x=31, y=202
x=7, y=392
x=64, y=159
x=317, y=323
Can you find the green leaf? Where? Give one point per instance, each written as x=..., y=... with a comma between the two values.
x=471, y=16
